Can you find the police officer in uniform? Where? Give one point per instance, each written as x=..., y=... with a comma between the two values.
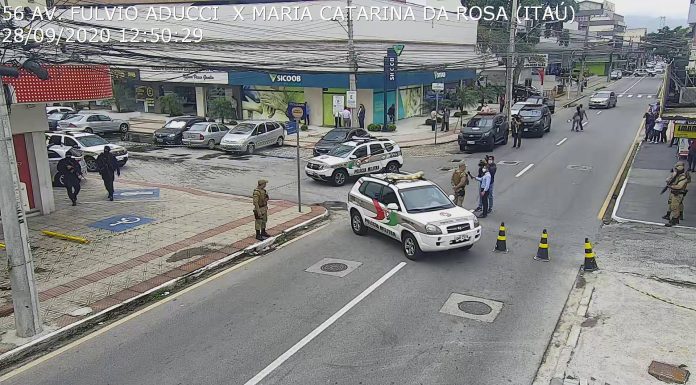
x=261, y=210
x=107, y=164
x=72, y=172
x=677, y=190
x=460, y=180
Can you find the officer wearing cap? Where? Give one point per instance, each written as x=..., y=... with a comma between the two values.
x=677, y=190
x=459, y=181
x=261, y=210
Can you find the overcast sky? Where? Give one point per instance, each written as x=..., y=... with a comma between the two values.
x=670, y=8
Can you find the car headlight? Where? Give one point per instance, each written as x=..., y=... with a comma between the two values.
x=487, y=134
x=432, y=230
x=476, y=222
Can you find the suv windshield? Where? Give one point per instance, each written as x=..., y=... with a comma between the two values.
x=198, y=127
x=175, y=124
x=424, y=199
x=483, y=122
x=89, y=141
x=530, y=113
x=243, y=128
x=336, y=135
x=341, y=151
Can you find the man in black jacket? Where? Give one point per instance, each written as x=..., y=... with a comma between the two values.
x=71, y=171
x=492, y=168
x=107, y=165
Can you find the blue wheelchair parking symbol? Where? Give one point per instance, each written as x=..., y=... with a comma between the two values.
x=121, y=223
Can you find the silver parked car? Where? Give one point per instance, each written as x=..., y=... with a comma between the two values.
x=250, y=135
x=205, y=134
x=93, y=123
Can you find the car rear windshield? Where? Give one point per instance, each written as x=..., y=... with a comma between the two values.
x=59, y=116
x=199, y=127
x=243, y=128
x=89, y=141
x=75, y=118
x=530, y=113
x=175, y=124
x=424, y=199
x=477, y=121
x=341, y=151
x=336, y=135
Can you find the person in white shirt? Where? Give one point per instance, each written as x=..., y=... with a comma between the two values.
x=346, y=117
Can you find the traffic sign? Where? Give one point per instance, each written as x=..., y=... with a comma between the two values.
x=438, y=86
x=121, y=223
x=398, y=48
x=296, y=110
x=352, y=99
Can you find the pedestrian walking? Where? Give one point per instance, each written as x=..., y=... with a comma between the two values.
x=460, y=180
x=347, y=117
x=361, y=116
x=433, y=119
x=72, y=172
x=484, y=187
x=107, y=166
x=260, y=197
x=337, y=118
x=583, y=116
x=692, y=155
x=576, y=120
x=516, y=130
x=307, y=113
x=677, y=189
x=391, y=113
x=445, y=119
x=492, y=168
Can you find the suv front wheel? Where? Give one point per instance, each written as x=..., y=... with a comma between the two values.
x=339, y=177
x=410, y=246
x=356, y=223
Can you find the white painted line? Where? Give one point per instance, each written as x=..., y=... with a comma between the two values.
x=630, y=96
x=639, y=96
x=634, y=84
x=620, y=95
x=519, y=174
x=314, y=333
x=561, y=142
x=599, y=112
x=650, y=96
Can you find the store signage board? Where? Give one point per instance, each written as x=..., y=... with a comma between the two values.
x=184, y=76
x=438, y=86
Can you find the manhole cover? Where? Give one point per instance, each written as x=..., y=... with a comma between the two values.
x=474, y=307
x=579, y=167
x=334, y=267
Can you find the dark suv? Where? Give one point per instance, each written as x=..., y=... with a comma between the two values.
x=336, y=137
x=536, y=120
x=484, y=131
x=172, y=132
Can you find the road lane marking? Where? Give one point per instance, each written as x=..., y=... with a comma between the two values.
x=314, y=333
x=634, y=84
x=650, y=96
x=599, y=112
x=561, y=142
x=519, y=174
x=621, y=95
x=639, y=96
x=630, y=96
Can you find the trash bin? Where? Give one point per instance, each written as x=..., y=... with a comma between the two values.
x=560, y=89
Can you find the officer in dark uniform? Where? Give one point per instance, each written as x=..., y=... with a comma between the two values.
x=107, y=165
x=261, y=210
x=71, y=171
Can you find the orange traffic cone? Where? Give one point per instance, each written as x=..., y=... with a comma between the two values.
x=590, y=261
x=501, y=243
x=543, y=251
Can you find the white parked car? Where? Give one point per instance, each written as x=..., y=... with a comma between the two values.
x=616, y=75
x=89, y=146
x=413, y=211
x=53, y=109
x=357, y=157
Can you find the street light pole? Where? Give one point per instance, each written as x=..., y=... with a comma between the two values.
x=352, y=60
x=25, y=299
x=512, y=57
x=581, y=77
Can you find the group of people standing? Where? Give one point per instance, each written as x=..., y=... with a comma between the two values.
x=70, y=168
x=486, y=178
x=344, y=118
x=655, y=130
x=445, y=119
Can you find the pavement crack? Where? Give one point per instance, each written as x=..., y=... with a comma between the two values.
x=675, y=282
x=658, y=298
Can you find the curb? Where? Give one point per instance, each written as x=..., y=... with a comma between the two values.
x=44, y=343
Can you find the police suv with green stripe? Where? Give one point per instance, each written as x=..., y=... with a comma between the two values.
x=360, y=156
x=412, y=210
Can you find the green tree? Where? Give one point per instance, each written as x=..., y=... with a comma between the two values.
x=222, y=108
x=467, y=97
x=171, y=105
x=668, y=42
x=123, y=97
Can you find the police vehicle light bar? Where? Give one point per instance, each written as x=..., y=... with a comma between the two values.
x=394, y=178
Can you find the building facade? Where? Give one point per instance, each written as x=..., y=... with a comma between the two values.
x=600, y=18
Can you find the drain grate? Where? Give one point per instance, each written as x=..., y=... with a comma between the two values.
x=474, y=307
x=578, y=167
x=509, y=162
x=334, y=267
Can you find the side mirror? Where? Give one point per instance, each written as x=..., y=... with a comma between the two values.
x=75, y=146
x=352, y=157
x=451, y=197
x=393, y=206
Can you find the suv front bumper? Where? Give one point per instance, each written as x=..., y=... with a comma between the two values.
x=323, y=174
x=443, y=242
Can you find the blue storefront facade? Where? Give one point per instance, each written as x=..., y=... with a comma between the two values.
x=266, y=95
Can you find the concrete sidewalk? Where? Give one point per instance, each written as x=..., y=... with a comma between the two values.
x=150, y=235
x=640, y=199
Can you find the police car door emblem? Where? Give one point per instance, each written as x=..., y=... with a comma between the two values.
x=444, y=214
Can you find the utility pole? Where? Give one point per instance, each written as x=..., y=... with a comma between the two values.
x=25, y=299
x=512, y=58
x=352, y=60
x=581, y=77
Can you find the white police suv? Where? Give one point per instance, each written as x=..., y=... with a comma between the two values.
x=357, y=157
x=412, y=210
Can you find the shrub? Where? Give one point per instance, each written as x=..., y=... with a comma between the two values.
x=391, y=127
x=374, y=127
x=457, y=114
x=304, y=127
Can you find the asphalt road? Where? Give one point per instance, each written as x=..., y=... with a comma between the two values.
x=231, y=329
